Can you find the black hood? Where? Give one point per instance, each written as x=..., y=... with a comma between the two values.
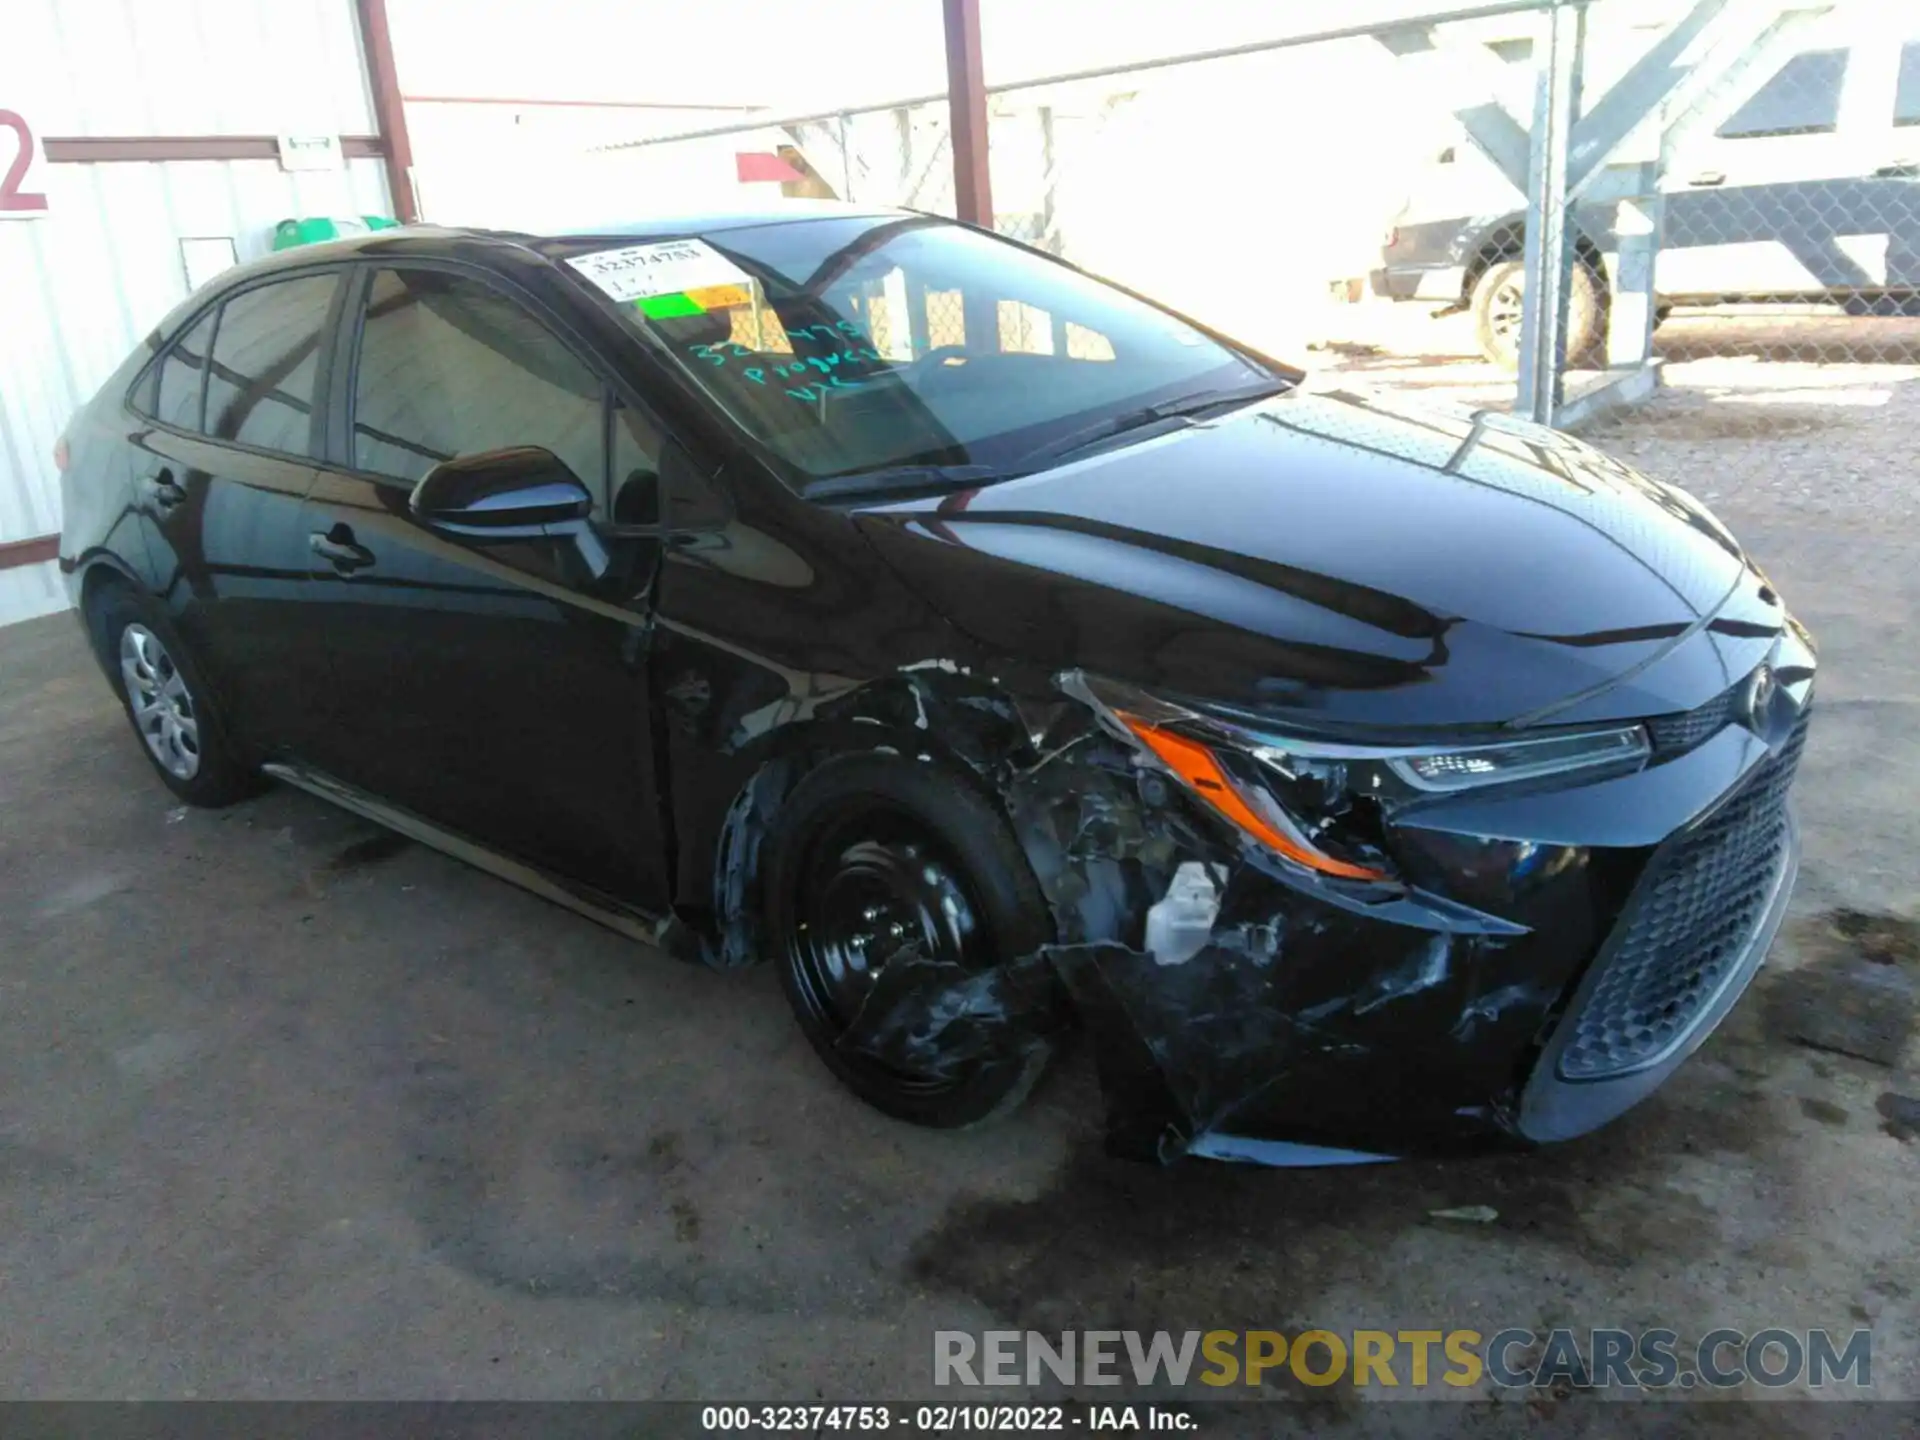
x=1355, y=561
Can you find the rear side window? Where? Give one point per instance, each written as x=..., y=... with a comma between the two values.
x=183, y=376
x=1802, y=97
x=265, y=359
x=1906, y=96
x=449, y=366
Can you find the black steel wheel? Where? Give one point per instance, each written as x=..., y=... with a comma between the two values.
x=873, y=860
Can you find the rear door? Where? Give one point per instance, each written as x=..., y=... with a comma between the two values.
x=496, y=688
x=220, y=478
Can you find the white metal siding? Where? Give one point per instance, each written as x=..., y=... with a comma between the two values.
x=83, y=285
x=80, y=286
x=186, y=67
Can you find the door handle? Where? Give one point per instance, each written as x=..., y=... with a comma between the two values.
x=1899, y=170
x=1709, y=177
x=339, y=549
x=162, y=491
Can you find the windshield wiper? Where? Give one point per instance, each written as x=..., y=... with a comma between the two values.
x=895, y=481
x=1180, y=407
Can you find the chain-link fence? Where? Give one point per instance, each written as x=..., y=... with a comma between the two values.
x=1719, y=178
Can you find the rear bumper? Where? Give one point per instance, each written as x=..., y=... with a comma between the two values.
x=1443, y=283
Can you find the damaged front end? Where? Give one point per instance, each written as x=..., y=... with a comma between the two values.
x=1292, y=951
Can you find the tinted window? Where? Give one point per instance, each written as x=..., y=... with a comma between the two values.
x=637, y=447
x=1906, y=99
x=450, y=367
x=1801, y=98
x=183, y=378
x=265, y=358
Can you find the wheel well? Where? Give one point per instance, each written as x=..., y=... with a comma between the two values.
x=1507, y=241
x=920, y=719
x=101, y=581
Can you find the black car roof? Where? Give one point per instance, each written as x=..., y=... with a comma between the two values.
x=421, y=239
x=718, y=221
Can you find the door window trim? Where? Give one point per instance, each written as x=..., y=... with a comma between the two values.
x=149, y=376
x=216, y=306
x=619, y=389
x=339, y=452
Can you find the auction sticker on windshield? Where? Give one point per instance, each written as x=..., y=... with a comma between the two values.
x=645, y=273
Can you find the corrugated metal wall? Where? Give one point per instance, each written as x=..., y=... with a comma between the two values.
x=80, y=285
x=188, y=67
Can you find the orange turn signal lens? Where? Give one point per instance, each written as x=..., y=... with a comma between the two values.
x=1201, y=773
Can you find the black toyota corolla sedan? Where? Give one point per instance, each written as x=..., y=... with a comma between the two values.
x=1001, y=656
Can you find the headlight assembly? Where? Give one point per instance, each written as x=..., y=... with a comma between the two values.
x=1471, y=766
x=1321, y=804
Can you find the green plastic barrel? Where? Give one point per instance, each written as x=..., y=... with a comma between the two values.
x=289, y=233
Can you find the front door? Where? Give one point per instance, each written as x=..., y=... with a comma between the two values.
x=497, y=688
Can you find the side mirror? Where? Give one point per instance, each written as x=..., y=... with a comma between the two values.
x=501, y=494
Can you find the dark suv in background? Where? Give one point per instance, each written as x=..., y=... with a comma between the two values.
x=1801, y=184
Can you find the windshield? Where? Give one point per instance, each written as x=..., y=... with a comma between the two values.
x=864, y=345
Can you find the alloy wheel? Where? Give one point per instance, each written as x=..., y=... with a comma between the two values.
x=162, y=705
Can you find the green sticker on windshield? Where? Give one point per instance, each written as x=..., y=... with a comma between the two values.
x=668, y=307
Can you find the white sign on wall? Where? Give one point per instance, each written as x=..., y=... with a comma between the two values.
x=310, y=152
x=22, y=168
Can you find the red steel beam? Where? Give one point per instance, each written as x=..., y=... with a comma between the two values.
x=532, y=103
x=389, y=110
x=38, y=550
x=967, y=111
x=109, y=149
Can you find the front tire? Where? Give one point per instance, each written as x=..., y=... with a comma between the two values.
x=169, y=704
x=1498, y=302
x=871, y=851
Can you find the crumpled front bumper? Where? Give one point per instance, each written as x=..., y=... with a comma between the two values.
x=1558, y=954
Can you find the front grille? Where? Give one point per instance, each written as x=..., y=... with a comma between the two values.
x=1685, y=927
x=1672, y=734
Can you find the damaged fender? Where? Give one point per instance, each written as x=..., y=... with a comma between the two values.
x=1284, y=997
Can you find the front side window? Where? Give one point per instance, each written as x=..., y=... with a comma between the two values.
x=183, y=378
x=849, y=346
x=265, y=359
x=1802, y=97
x=449, y=366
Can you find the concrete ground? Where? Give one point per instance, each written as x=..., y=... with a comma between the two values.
x=290, y=1108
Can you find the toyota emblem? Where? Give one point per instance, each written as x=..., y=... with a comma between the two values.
x=1759, y=696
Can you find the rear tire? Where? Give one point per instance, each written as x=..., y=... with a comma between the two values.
x=169, y=703
x=1498, y=300
x=868, y=849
